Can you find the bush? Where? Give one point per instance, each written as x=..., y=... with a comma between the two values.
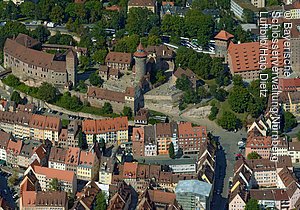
x=11, y=80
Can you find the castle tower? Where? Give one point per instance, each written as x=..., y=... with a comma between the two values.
x=71, y=66
x=222, y=40
x=140, y=57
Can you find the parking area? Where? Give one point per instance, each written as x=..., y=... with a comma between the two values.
x=49, y=112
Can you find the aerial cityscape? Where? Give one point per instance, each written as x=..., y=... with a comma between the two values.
x=150, y=104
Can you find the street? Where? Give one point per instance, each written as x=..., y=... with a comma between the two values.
x=5, y=191
x=219, y=201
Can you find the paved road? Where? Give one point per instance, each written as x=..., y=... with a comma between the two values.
x=218, y=201
x=228, y=140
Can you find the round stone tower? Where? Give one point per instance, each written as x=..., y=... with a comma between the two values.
x=140, y=57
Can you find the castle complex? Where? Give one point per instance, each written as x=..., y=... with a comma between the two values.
x=24, y=57
x=127, y=90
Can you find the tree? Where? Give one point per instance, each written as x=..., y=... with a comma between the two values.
x=57, y=14
x=160, y=77
x=10, y=11
x=84, y=62
x=171, y=150
x=102, y=144
x=54, y=184
x=217, y=67
x=149, y=20
x=46, y=92
x=154, y=40
x=273, y=2
x=248, y=16
x=229, y=121
x=183, y=83
x=238, y=80
x=173, y=25
x=28, y=9
x=252, y=204
x=253, y=155
x=95, y=79
x=101, y=201
x=239, y=99
x=290, y=121
x=107, y=108
x=62, y=39
x=15, y=96
x=213, y=113
x=12, y=180
x=199, y=25
x=127, y=111
x=99, y=56
x=41, y=33
x=69, y=102
x=128, y=43
x=12, y=80
x=80, y=139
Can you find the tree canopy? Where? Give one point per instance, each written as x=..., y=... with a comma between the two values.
x=171, y=150
x=253, y=155
x=101, y=201
x=47, y=92
x=229, y=121
x=252, y=204
x=95, y=79
x=290, y=121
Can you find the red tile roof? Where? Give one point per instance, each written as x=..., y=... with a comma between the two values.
x=289, y=84
x=163, y=130
x=245, y=56
x=259, y=141
x=14, y=146
x=33, y=57
x=105, y=125
x=87, y=158
x=159, y=196
x=118, y=57
x=167, y=2
x=4, y=139
x=130, y=170
x=113, y=8
x=45, y=122
x=72, y=156
x=224, y=35
x=51, y=173
x=29, y=198
x=105, y=94
x=141, y=3
x=57, y=155
x=63, y=136
x=140, y=51
x=185, y=129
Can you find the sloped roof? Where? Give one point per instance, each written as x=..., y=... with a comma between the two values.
x=33, y=57
x=224, y=35
x=245, y=56
x=51, y=173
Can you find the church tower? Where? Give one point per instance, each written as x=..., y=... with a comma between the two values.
x=140, y=57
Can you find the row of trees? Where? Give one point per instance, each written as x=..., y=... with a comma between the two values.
x=195, y=24
x=56, y=11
